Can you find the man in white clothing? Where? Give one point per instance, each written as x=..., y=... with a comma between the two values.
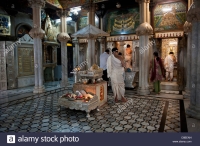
x=115, y=69
x=169, y=65
x=103, y=63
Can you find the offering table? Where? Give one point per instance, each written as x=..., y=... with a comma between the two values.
x=99, y=89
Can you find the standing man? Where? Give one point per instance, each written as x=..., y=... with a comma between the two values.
x=169, y=65
x=115, y=68
x=103, y=64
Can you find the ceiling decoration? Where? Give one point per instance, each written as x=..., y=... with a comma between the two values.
x=54, y=3
x=72, y=3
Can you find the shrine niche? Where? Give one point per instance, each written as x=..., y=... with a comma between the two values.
x=169, y=45
x=22, y=30
x=122, y=21
x=171, y=16
x=5, y=25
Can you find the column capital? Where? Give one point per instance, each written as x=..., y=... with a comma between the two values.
x=75, y=41
x=144, y=29
x=62, y=13
x=193, y=14
x=63, y=37
x=101, y=39
x=142, y=1
x=187, y=27
x=33, y=3
x=37, y=32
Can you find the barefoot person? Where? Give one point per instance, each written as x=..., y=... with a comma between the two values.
x=169, y=66
x=115, y=69
x=157, y=72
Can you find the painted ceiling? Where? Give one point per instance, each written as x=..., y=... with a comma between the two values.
x=54, y=3
x=70, y=3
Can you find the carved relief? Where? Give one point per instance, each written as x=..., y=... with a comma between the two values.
x=144, y=29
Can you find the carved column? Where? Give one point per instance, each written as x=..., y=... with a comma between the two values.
x=144, y=30
x=37, y=34
x=188, y=29
x=3, y=77
x=193, y=16
x=63, y=37
x=91, y=41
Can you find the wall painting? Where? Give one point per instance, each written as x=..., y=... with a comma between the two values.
x=4, y=24
x=122, y=21
x=171, y=16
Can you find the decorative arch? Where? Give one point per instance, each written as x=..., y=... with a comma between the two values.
x=22, y=29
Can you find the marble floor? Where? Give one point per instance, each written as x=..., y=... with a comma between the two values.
x=38, y=113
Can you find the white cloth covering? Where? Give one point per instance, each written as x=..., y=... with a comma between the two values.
x=115, y=72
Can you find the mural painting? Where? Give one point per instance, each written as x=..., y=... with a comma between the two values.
x=4, y=25
x=122, y=21
x=83, y=22
x=170, y=16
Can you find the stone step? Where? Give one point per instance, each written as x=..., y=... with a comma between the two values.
x=170, y=86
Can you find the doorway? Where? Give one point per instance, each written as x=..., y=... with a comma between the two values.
x=168, y=50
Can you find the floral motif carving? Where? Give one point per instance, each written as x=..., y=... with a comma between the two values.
x=144, y=29
x=187, y=27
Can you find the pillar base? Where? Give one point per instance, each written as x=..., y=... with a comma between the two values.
x=193, y=111
x=37, y=90
x=186, y=94
x=143, y=91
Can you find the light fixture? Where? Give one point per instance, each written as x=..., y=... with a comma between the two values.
x=118, y=5
x=167, y=9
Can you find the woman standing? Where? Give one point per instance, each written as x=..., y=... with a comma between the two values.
x=157, y=72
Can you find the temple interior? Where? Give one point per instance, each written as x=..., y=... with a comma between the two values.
x=49, y=50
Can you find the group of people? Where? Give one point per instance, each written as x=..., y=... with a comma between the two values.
x=114, y=68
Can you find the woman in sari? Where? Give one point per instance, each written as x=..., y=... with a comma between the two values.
x=115, y=71
x=157, y=72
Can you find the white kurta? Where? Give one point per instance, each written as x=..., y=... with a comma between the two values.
x=169, y=64
x=115, y=72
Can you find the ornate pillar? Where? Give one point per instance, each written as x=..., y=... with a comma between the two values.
x=63, y=37
x=3, y=76
x=37, y=34
x=136, y=58
x=91, y=41
x=188, y=29
x=193, y=16
x=144, y=30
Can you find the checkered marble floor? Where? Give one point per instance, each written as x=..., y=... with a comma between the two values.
x=139, y=114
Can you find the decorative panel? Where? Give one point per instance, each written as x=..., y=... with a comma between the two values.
x=4, y=24
x=122, y=21
x=25, y=61
x=3, y=77
x=11, y=76
x=83, y=22
x=171, y=16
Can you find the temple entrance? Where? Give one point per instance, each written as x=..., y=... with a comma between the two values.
x=169, y=56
